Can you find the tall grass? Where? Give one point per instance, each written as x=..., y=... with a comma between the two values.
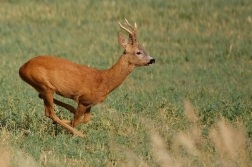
x=226, y=145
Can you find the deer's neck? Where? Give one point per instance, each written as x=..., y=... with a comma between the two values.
x=118, y=73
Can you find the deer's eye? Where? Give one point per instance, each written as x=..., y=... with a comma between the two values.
x=138, y=53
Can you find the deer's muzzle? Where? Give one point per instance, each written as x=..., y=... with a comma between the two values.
x=152, y=61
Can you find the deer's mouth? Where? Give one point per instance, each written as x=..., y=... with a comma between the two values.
x=152, y=61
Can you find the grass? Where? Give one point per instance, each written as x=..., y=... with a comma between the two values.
x=203, y=54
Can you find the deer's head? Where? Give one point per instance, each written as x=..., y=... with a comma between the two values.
x=133, y=50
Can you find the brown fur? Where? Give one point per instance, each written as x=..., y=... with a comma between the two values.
x=87, y=86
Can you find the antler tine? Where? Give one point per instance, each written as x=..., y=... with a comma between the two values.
x=128, y=24
x=125, y=28
x=132, y=34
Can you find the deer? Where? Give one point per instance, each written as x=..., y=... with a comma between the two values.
x=85, y=85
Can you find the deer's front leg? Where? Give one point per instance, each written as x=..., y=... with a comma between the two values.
x=86, y=119
x=70, y=108
x=66, y=106
x=81, y=110
x=87, y=116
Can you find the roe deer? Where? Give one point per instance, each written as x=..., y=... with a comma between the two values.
x=87, y=86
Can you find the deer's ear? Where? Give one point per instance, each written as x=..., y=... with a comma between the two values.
x=122, y=40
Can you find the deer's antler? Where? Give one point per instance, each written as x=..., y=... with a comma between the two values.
x=132, y=34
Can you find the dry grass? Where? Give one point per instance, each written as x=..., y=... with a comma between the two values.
x=4, y=157
x=13, y=157
x=226, y=145
x=5, y=149
x=230, y=144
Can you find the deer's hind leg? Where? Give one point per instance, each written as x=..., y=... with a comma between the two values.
x=64, y=105
x=47, y=96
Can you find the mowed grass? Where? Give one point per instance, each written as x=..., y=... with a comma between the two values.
x=203, y=52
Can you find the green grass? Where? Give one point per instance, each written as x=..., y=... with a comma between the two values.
x=203, y=52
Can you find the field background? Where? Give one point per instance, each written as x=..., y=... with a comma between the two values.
x=203, y=52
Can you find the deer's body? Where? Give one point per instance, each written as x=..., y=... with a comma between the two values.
x=87, y=86
x=80, y=83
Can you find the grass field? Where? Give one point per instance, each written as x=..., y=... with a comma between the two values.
x=192, y=108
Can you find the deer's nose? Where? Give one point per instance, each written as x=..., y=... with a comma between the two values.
x=152, y=61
